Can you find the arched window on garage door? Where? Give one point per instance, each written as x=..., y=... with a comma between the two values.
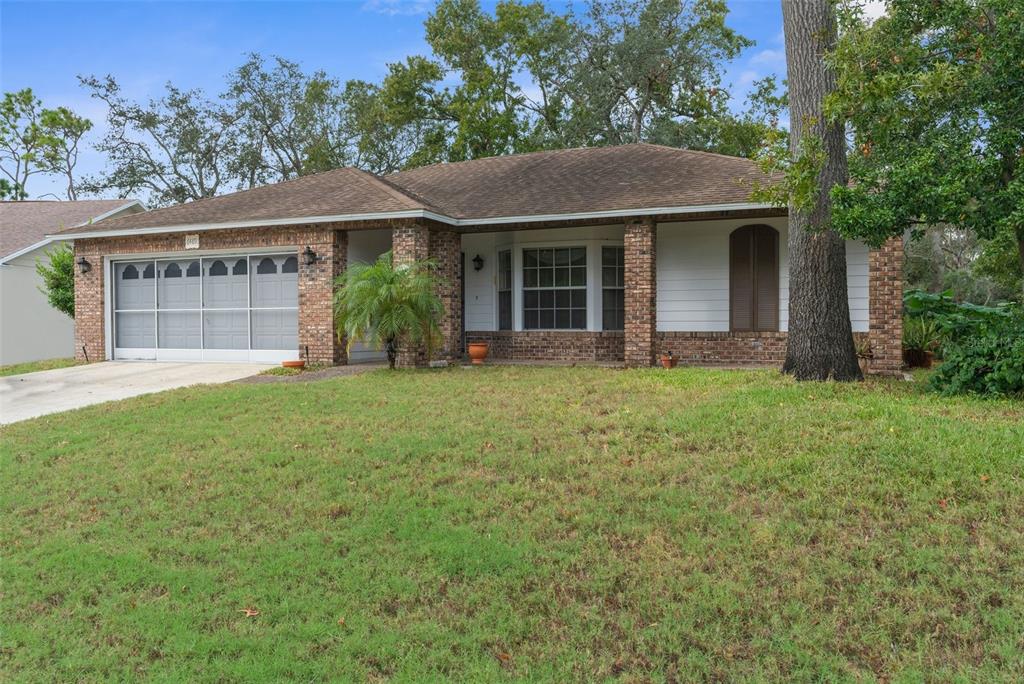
x=754, y=279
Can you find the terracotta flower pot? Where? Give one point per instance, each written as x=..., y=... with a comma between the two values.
x=478, y=352
x=294, y=364
x=668, y=361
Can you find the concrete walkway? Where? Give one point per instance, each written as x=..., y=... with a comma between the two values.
x=62, y=389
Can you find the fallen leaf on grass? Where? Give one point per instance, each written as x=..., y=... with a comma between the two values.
x=249, y=612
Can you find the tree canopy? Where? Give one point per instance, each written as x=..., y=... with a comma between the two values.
x=934, y=95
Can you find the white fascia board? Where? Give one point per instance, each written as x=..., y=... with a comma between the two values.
x=25, y=250
x=115, y=211
x=414, y=213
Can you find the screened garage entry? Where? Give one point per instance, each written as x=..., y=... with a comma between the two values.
x=208, y=308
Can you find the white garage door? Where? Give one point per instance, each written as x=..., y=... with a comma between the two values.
x=210, y=308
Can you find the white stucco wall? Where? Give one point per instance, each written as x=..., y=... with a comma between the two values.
x=30, y=329
x=692, y=271
x=365, y=246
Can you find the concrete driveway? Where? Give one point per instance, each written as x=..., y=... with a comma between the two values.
x=37, y=394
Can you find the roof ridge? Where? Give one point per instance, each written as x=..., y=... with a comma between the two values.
x=701, y=152
x=407, y=197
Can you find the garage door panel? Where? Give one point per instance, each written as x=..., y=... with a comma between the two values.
x=179, y=330
x=275, y=329
x=226, y=330
x=134, y=285
x=225, y=284
x=275, y=281
x=135, y=330
x=178, y=284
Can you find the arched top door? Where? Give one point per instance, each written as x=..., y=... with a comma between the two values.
x=754, y=279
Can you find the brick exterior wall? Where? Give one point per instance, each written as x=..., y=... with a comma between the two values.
x=318, y=341
x=446, y=250
x=552, y=345
x=885, y=307
x=316, y=282
x=724, y=348
x=90, y=334
x=641, y=294
x=417, y=242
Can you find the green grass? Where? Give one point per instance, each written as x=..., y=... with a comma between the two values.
x=33, y=366
x=517, y=523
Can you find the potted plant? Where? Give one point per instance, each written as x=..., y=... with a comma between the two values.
x=300, y=363
x=387, y=305
x=478, y=352
x=920, y=338
x=667, y=360
x=865, y=352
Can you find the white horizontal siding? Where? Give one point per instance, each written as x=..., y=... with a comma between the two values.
x=693, y=276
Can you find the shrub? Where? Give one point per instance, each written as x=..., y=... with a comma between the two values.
x=953, y=320
x=920, y=334
x=988, y=362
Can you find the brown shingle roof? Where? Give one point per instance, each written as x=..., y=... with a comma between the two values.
x=582, y=180
x=620, y=178
x=331, y=193
x=23, y=224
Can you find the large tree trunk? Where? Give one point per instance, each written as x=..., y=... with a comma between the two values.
x=820, y=336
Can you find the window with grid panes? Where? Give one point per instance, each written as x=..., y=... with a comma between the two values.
x=505, y=290
x=555, y=288
x=613, y=290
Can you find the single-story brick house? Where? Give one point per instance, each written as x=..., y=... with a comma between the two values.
x=603, y=254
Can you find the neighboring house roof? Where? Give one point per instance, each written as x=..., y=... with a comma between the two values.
x=25, y=225
x=561, y=184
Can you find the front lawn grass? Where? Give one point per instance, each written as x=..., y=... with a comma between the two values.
x=552, y=524
x=33, y=366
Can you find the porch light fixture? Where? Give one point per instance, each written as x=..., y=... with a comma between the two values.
x=310, y=256
x=478, y=262
x=83, y=265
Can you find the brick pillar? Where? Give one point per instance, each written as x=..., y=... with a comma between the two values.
x=885, y=292
x=641, y=292
x=90, y=313
x=408, y=244
x=445, y=247
x=316, y=297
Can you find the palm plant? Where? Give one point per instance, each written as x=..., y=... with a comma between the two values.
x=389, y=306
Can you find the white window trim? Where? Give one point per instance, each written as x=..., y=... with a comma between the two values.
x=593, y=247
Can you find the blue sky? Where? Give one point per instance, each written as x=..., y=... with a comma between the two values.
x=45, y=45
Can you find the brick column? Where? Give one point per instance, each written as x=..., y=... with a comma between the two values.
x=445, y=247
x=641, y=292
x=316, y=297
x=90, y=313
x=885, y=293
x=408, y=244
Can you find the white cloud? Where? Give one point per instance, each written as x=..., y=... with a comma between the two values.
x=396, y=7
x=769, y=57
x=747, y=78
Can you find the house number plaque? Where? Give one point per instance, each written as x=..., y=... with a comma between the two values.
x=191, y=242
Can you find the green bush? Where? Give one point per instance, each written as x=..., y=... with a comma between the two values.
x=920, y=334
x=954, y=320
x=988, y=362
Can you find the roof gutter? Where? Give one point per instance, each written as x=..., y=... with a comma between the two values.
x=414, y=213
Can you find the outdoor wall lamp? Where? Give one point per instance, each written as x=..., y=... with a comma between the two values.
x=478, y=262
x=310, y=256
x=83, y=265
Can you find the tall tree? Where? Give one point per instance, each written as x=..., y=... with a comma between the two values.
x=173, y=149
x=290, y=123
x=65, y=130
x=526, y=78
x=35, y=140
x=820, y=341
x=935, y=96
